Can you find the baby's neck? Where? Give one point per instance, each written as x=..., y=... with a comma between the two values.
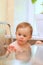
x=22, y=45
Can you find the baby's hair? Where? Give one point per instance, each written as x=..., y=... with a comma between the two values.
x=24, y=25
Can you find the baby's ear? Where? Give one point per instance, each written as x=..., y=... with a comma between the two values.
x=30, y=36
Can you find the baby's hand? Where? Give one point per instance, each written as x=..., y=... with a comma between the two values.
x=39, y=42
x=11, y=48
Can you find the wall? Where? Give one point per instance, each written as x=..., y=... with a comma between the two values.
x=7, y=12
x=3, y=8
x=10, y=14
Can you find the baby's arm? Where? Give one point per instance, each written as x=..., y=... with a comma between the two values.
x=10, y=49
x=29, y=46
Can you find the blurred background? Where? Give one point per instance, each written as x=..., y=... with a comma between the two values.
x=15, y=11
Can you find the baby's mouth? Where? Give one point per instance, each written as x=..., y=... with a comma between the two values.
x=21, y=40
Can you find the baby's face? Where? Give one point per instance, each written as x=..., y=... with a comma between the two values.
x=23, y=35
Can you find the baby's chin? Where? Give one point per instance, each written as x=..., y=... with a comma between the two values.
x=20, y=43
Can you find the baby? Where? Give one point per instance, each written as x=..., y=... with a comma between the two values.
x=21, y=46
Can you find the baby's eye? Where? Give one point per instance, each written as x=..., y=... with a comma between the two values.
x=19, y=34
x=24, y=35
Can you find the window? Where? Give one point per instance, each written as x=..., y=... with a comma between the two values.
x=24, y=10
x=39, y=7
x=39, y=17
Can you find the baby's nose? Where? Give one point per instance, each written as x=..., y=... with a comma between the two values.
x=21, y=37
